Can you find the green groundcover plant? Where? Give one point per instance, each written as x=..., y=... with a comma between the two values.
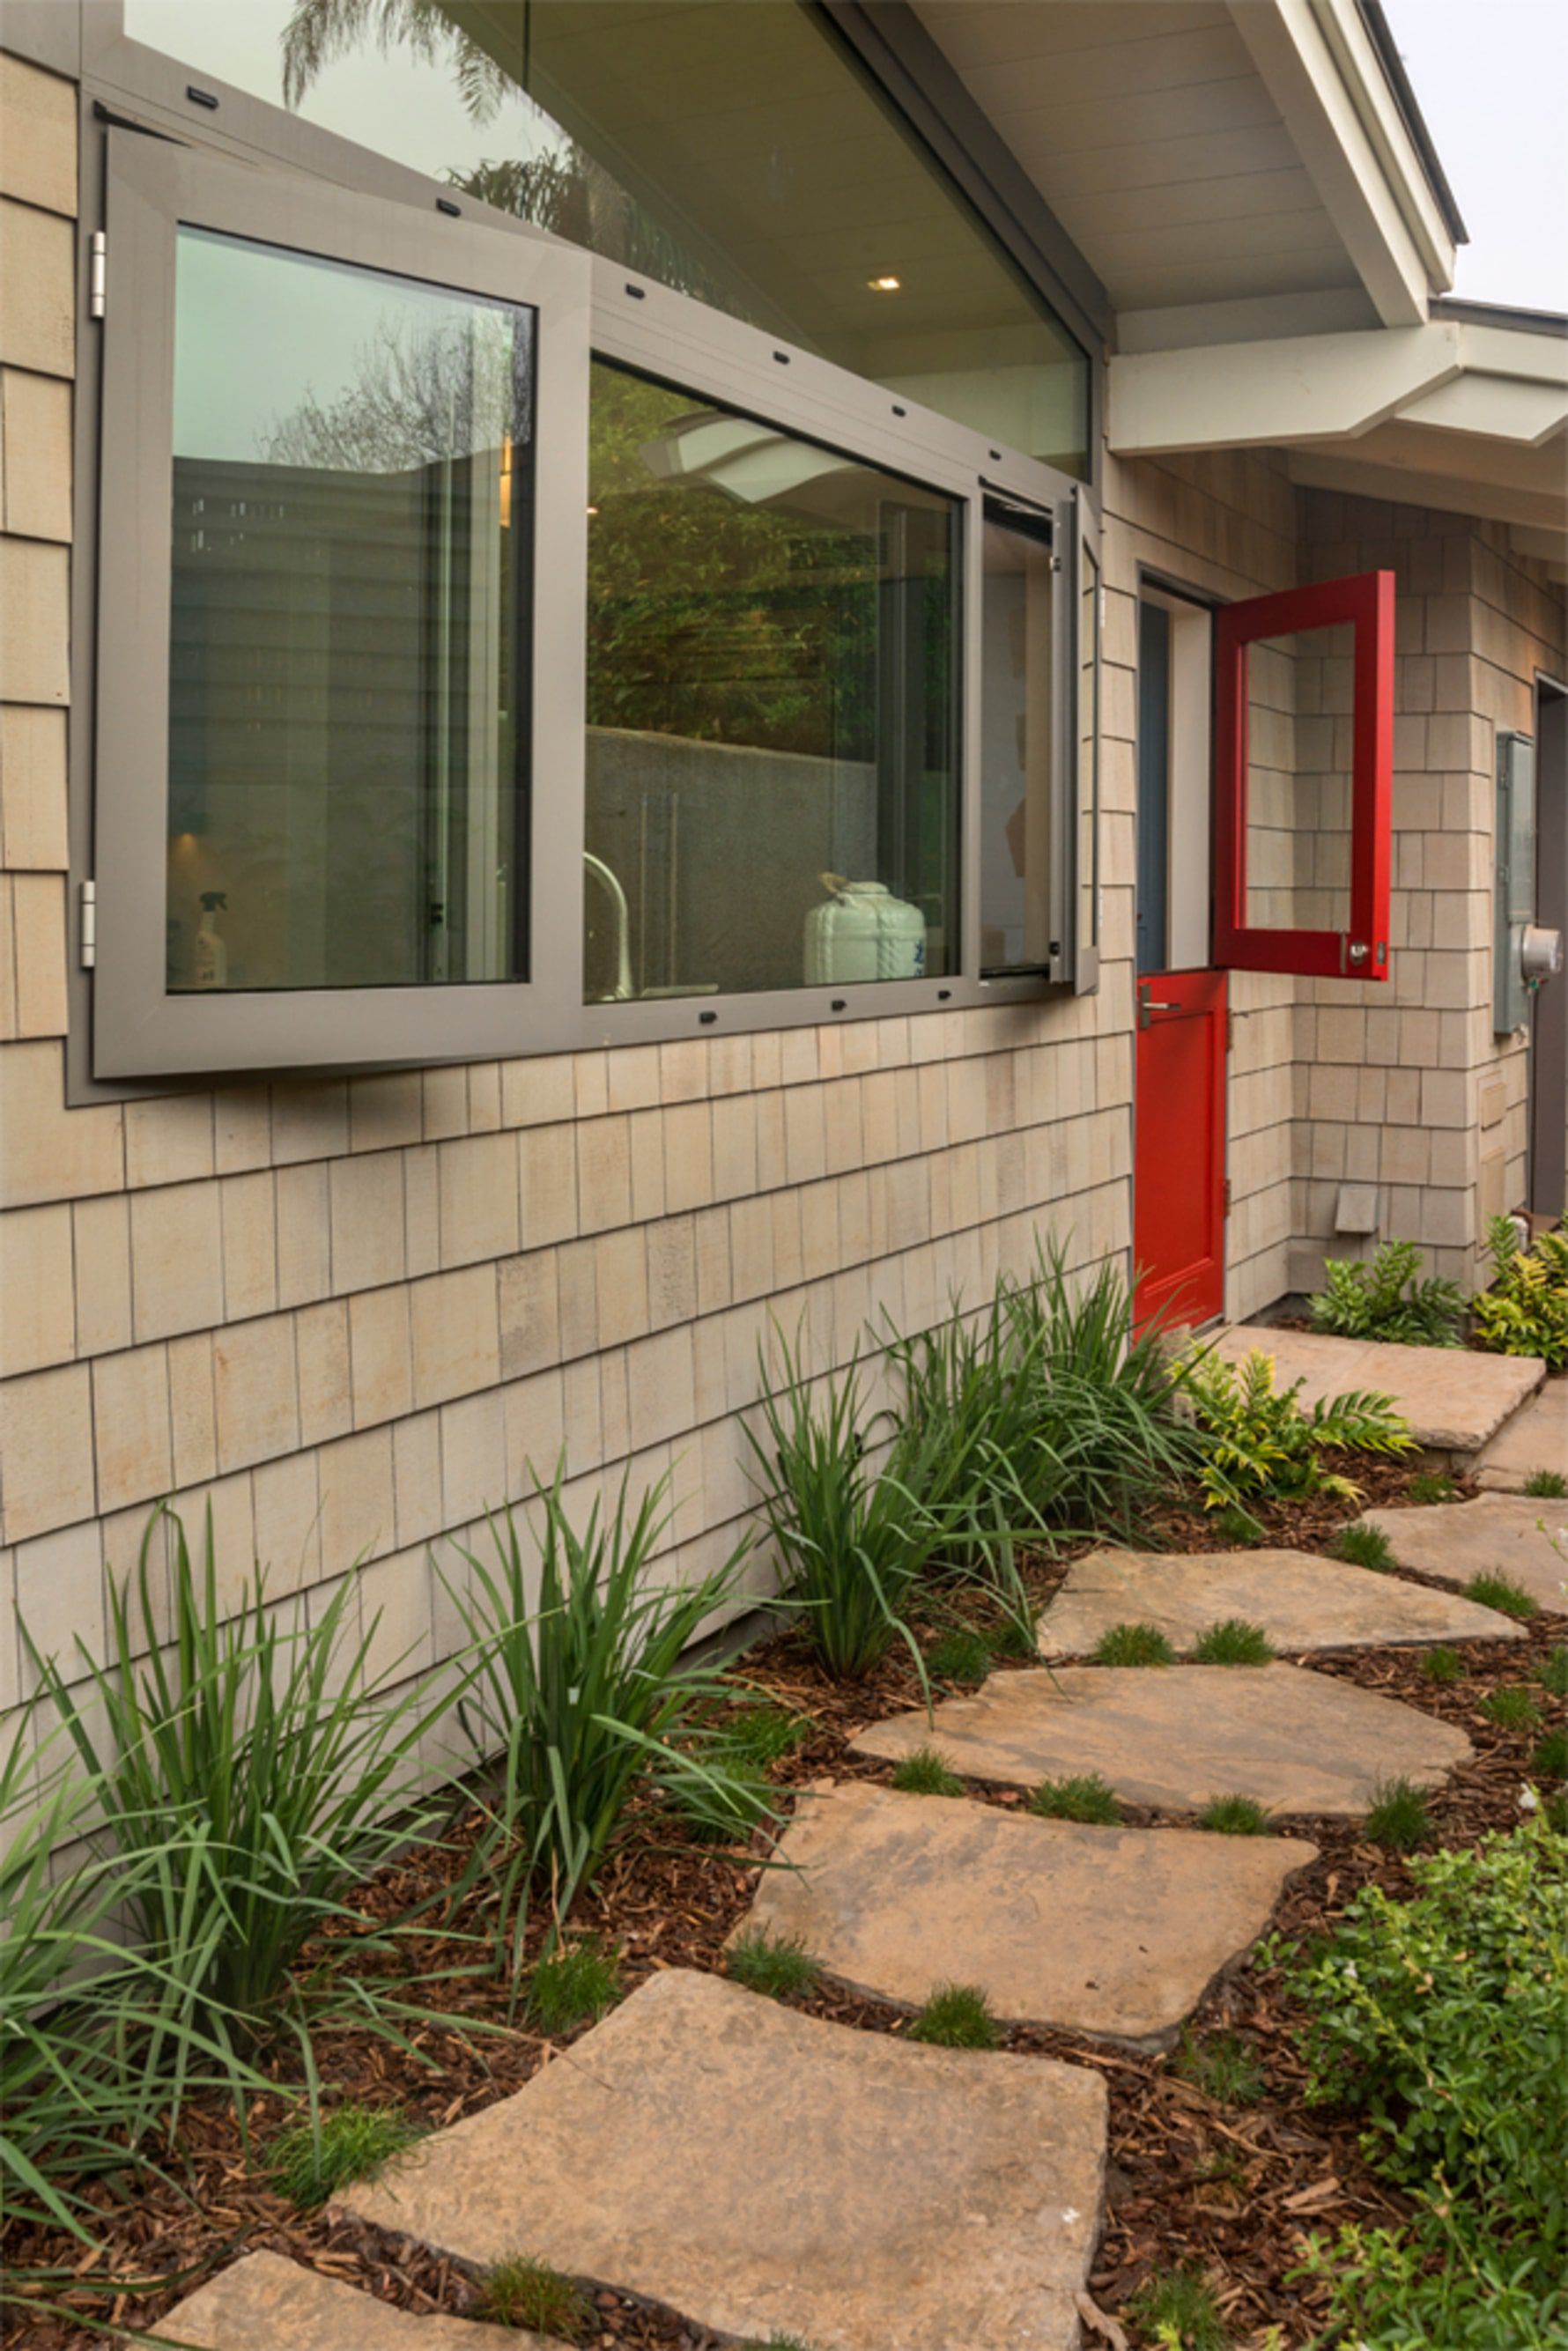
x=1386, y=1299
x=1259, y=1442
x=1442, y=2020
x=1525, y=1312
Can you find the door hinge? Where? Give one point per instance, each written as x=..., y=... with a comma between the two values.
x=1230, y=1033
x=87, y=932
x=97, y=274
x=1228, y=1196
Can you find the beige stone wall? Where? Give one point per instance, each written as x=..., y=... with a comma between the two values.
x=348, y=1314
x=1406, y=1086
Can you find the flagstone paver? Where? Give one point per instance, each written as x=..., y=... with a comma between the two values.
x=265, y=2303
x=1110, y=1931
x=1300, y=1600
x=1454, y=1400
x=1536, y=1438
x=1176, y=1736
x=763, y=2171
x=1497, y=1534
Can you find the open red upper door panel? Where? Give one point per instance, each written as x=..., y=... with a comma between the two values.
x=1304, y=779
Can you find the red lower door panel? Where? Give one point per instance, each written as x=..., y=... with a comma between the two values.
x=1178, y=1168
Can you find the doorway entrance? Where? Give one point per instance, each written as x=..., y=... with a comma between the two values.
x=1178, y=1160
x=1548, y=1019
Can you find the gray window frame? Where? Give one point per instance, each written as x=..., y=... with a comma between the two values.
x=405, y=223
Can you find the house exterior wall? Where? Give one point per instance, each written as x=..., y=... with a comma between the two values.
x=1406, y=1086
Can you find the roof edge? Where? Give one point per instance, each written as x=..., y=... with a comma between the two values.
x=1381, y=33
x=1464, y=312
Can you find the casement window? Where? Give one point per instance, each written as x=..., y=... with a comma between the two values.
x=497, y=654
x=1304, y=779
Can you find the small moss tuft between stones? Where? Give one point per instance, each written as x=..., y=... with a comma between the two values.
x=926, y=1773
x=957, y=2016
x=1133, y=1645
x=1501, y=1592
x=778, y=1966
x=1089, y=1799
x=1235, y=1641
x=1234, y=1816
x=526, y=2293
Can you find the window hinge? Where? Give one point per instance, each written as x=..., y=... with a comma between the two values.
x=88, y=933
x=1228, y=1196
x=98, y=274
x=1230, y=1033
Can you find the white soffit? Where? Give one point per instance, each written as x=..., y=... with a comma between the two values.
x=1208, y=154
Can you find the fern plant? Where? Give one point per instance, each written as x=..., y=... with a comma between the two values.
x=1386, y=1299
x=1260, y=1441
x=1525, y=1312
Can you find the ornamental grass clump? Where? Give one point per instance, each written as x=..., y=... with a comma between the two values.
x=584, y=1694
x=1503, y=1594
x=1178, y=2310
x=1399, y=1818
x=1087, y=1799
x=311, y=2160
x=957, y=2016
x=778, y=1966
x=1442, y=2020
x=1512, y=1707
x=576, y=1983
x=1222, y=2065
x=923, y=1772
x=1442, y=1664
x=529, y=2293
x=1133, y=1645
x=1364, y=1547
x=1260, y=1443
x=1234, y=1816
x=1235, y=1641
x=960, y=1656
x=1546, y=1485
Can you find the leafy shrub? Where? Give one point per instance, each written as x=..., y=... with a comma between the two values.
x=925, y=1773
x=1133, y=1645
x=1399, y=1818
x=1234, y=1816
x=1364, y=1547
x=1442, y=1664
x=1233, y=1642
x=1260, y=1442
x=1221, y=2064
x=528, y=2294
x=855, y=1543
x=310, y=2160
x=574, y=1984
x=777, y=1965
x=1444, y=2020
x=1503, y=1594
x=1525, y=1312
x=1386, y=1299
x=957, y=2016
x=584, y=1695
x=1088, y=1798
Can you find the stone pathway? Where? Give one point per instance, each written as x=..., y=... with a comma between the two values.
x=1115, y=1932
x=1536, y=1438
x=1300, y=1600
x=1178, y=1735
x=762, y=2172
x=1497, y=1534
x=263, y=2302
x=1454, y=1400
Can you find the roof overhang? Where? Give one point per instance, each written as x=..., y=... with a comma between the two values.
x=1461, y=414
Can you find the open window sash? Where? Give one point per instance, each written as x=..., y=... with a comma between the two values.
x=339, y=721
x=1304, y=779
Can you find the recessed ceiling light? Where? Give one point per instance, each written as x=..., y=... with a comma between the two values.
x=888, y=285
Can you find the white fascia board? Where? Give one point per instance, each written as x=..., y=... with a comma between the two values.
x=1499, y=407
x=1371, y=199
x=1303, y=388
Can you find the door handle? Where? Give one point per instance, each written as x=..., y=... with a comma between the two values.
x=1148, y=1006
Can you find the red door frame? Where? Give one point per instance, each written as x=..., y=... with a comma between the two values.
x=1195, y=1292
x=1365, y=599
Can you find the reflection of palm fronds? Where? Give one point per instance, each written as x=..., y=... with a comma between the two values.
x=573, y=196
x=416, y=398
x=320, y=31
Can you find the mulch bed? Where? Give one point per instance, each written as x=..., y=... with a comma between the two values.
x=1235, y=2191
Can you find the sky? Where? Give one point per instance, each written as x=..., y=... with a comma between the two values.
x=1491, y=78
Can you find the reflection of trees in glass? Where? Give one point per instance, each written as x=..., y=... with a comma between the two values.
x=714, y=620
x=565, y=190
x=451, y=390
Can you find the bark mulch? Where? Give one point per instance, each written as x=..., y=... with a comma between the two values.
x=1233, y=2189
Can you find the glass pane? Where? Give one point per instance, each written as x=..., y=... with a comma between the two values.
x=729, y=148
x=1300, y=693
x=772, y=788
x=1016, y=829
x=1088, y=726
x=351, y=544
x=1153, y=786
